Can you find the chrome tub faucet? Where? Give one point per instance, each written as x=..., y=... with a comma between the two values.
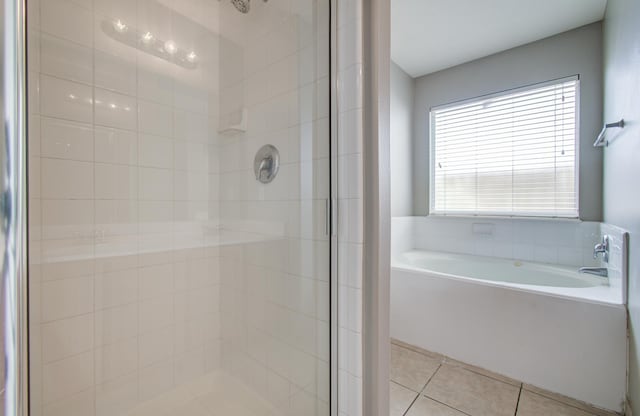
x=597, y=271
x=602, y=247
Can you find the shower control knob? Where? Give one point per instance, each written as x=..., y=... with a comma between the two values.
x=266, y=163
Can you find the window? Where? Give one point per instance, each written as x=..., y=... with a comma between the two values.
x=511, y=153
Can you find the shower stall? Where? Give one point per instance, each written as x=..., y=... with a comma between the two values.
x=179, y=235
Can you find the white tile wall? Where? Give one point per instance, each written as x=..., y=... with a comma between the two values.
x=562, y=242
x=141, y=275
x=618, y=265
x=275, y=297
x=121, y=308
x=61, y=139
x=65, y=99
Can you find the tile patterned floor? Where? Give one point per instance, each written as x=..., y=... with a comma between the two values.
x=427, y=384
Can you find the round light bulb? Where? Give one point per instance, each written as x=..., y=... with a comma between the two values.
x=119, y=26
x=170, y=47
x=191, y=57
x=147, y=37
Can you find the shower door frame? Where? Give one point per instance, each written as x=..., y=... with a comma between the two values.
x=14, y=210
x=332, y=214
x=377, y=200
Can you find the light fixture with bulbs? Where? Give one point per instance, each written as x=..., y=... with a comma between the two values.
x=145, y=41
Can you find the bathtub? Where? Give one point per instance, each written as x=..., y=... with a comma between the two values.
x=545, y=325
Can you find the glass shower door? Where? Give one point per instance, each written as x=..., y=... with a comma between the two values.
x=173, y=268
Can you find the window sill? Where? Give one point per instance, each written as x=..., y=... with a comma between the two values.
x=506, y=217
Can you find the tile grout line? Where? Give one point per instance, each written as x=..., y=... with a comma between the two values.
x=430, y=378
x=456, y=363
x=446, y=405
x=431, y=398
x=563, y=403
x=406, y=387
x=419, y=393
x=415, y=399
x=518, y=401
x=442, y=363
x=520, y=385
x=422, y=388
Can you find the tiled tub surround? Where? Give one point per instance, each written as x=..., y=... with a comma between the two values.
x=558, y=339
x=428, y=384
x=564, y=242
x=155, y=257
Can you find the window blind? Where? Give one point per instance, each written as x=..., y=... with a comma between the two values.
x=510, y=153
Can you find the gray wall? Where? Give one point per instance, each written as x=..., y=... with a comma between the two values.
x=622, y=157
x=401, y=134
x=578, y=51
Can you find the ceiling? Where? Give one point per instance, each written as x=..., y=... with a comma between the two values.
x=430, y=35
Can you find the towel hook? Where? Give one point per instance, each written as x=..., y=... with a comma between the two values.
x=600, y=141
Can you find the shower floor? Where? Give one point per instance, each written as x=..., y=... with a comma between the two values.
x=215, y=394
x=428, y=384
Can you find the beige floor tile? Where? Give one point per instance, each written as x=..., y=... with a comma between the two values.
x=532, y=404
x=431, y=354
x=472, y=393
x=400, y=398
x=424, y=406
x=411, y=369
x=482, y=371
x=568, y=401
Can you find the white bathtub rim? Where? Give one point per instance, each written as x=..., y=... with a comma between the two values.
x=553, y=291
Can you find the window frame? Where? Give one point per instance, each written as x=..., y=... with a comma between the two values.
x=538, y=215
